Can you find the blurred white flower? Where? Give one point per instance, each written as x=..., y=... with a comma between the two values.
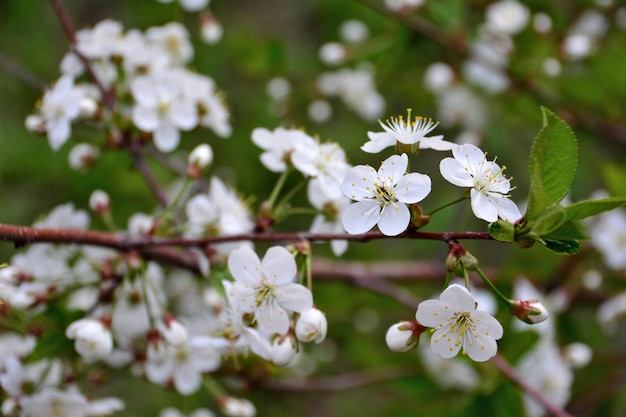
x=92, y=339
x=507, y=16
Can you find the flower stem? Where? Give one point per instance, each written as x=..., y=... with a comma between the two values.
x=458, y=200
x=280, y=182
x=213, y=387
x=279, y=210
x=174, y=203
x=493, y=287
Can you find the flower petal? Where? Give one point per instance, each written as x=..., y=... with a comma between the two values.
x=393, y=169
x=272, y=318
x=432, y=313
x=378, y=141
x=413, y=187
x=245, y=266
x=359, y=183
x=445, y=343
x=454, y=172
x=361, y=217
x=166, y=137
x=483, y=207
x=507, y=209
x=294, y=297
x=394, y=219
x=468, y=155
x=458, y=298
x=278, y=266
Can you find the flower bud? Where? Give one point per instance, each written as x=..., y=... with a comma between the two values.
x=82, y=156
x=577, y=354
x=99, y=202
x=199, y=158
x=35, y=123
x=87, y=107
x=283, y=350
x=529, y=311
x=211, y=30
x=404, y=336
x=236, y=407
x=311, y=326
x=93, y=340
x=173, y=331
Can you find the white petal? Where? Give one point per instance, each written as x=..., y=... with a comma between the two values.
x=145, y=118
x=272, y=318
x=294, y=297
x=245, y=266
x=166, y=138
x=432, y=313
x=393, y=168
x=378, y=141
x=479, y=347
x=262, y=138
x=278, y=265
x=454, y=172
x=359, y=183
x=273, y=161
x=436, y=143
x=183, y=115
x=58, y=132
x=394, y=219
x=144, y=92
x=507, y=209
x=483, y=207
x=413, y=187
x=468, y=155
x=488, y=324
x=187, y=380
x=458, y=298
x=445, y=343
x=361, y=217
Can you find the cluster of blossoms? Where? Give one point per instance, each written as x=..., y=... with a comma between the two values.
x=143, y=82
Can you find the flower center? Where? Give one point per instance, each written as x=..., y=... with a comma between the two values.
x=264, y=293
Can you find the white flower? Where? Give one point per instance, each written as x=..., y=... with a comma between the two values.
x=449, y=373
x=93, y=339
x=161, y=109
x=174, y=412
x=382, y=196
x=82, y=156
x=283, y=350
x=60, y=105
x=489, y=186
x=608, y=236
x=184, y=363
x=406, y=132
x=311, y=326
x=211, y=30
x=325, y=162
x=459, y=325
x=266, y=288
x=99, y=202
x=236, y=407
x=172, y=330
x=173, y=38
x=278, y=145
x=507, y=16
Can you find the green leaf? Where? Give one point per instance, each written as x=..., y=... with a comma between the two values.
x=502, y=231
x=570, y=230
x=562, y=247
x=553, y=162
x=588, y=208
x=550, y=220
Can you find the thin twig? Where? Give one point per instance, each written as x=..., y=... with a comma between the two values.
x=501, y=363
x=22, y=73
x=140, y=164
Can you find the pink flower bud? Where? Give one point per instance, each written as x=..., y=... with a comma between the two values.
x=99, y=202
x=529, y=311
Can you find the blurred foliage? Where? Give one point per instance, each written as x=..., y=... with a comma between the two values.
x=264, y=39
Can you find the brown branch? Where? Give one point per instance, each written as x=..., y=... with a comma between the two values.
x=501, y=363
x=108, y=96
x=140, y=164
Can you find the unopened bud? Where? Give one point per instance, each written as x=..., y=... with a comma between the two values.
x=311, y=326
x=35, y=123
x=418, y=218
x=236, y=407
x=199, y=158
x=577, y=354
x=404, y=336
x=211, y=29
x=529, y=311
x=82, y=156
x=284, y=349
x=459, y=259
x=99, y=202
x=172, y=330
x=87, y=107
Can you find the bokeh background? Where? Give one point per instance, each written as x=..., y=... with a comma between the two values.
x=282, y=38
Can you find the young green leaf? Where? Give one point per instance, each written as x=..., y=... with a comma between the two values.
x=502, y=231
x=588, y=208
x=553, y=162
x=563, y=247
x=551, y=219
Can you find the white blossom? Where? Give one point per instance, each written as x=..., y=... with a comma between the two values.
x=311, y=326
x=382, y=196
x=278, y=145
x=459, y=325
x=507, y=16
x=59, y=107
x=408, y=132
x=92, y=339
x=489, y=186
x=266, y=288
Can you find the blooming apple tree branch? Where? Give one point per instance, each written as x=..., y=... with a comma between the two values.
x=212, y=286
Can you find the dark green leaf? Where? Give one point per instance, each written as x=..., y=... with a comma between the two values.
x=569, y=230
x=584, y=209
x=562, y=247
x=553, y=162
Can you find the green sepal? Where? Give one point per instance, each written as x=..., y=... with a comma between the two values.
x=502, y=231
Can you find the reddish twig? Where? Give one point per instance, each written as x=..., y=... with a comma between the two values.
x=16, y=69
x=501, y=363
x=140, y=164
